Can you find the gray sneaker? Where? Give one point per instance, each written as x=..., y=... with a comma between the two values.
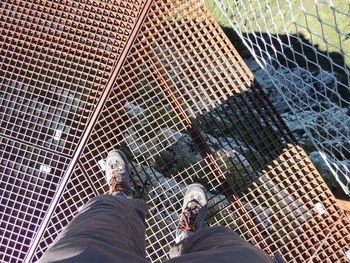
x=117, y=172
x=194, y=210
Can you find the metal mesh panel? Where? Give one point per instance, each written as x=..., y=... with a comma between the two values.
x=29, y=178
x=303, y=48
x=336, y=240
x=56, y=59
x=261, y=183
x=186, y=108
x=77, y=192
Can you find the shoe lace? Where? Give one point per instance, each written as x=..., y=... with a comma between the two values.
x=188, y=219
x=116, y=178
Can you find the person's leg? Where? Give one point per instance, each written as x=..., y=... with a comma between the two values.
x=110, y=228
x=215, y=244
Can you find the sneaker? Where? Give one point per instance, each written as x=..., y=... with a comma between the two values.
x=117, y=172
x=194, y=210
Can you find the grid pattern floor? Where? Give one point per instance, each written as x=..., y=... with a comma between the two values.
x=79, y=79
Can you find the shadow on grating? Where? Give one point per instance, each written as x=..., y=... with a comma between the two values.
x=184, y=108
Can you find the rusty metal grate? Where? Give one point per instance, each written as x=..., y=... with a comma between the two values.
x=184, y=107
x=56, y=60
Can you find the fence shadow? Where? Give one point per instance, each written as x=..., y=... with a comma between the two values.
x=295, y=51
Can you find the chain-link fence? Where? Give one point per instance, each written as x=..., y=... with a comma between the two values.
x=303, y=50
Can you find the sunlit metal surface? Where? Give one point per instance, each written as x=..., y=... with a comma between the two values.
x=178, y=80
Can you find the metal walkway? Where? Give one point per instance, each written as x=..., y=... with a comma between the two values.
x=160, y=81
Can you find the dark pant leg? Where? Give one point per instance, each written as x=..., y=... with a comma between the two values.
x=108, y=229
x=216, y=244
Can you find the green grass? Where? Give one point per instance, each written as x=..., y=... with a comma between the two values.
x=314, y=18
x=317, y=31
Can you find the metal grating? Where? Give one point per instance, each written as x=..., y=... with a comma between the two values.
x=77, y=192
x=29, y=179
x=55, y=62
x=56, y=59
x=301, y=46
x=186, y=108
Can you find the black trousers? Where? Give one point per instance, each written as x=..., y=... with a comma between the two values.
x=112, y=229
